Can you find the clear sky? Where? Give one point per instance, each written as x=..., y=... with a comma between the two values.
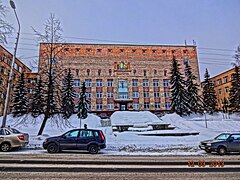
x=213, y=24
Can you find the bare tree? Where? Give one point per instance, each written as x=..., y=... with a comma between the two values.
x=49, y=66
x=6, y=29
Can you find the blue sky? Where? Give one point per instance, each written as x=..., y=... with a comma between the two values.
x=212, y=24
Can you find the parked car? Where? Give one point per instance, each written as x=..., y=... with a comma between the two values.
x=12, y=138
x=222, y=144
x=78, y=139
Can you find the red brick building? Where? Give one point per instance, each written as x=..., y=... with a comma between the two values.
x=120, y=76
x=5, y=66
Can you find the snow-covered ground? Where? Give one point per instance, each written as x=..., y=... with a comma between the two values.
x=132, y=142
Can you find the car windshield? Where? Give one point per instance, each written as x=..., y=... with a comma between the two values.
x=14, y=131
x=222, y=137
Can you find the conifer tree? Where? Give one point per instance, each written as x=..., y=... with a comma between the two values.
x=37, y=103
x=179, y=102
x=209, y=94
x=195, y=101
x=82, y=104
x=20, y=99
x=234, y=97
x=68, y=96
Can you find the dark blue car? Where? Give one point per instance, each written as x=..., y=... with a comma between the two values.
x=222, y=144
x=78, y=139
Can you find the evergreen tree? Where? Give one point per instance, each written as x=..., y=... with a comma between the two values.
x=68, y=96
x=37, y=103
x=209, y=94
x=195, y=101
x=82, y=104
x=234, y=98
x=179, y=102
x=20, y=99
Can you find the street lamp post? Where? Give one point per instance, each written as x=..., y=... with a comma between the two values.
x=205, y=118
x=7, y=99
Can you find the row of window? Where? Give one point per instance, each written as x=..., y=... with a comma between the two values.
x=99, y=72
x=121, y=50
x=225, y=80
x=9, y=62
x=135, y=83
x=136, y=106
x=226, y=90
x=134, y=95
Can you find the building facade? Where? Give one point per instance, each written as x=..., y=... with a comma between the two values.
x=5, y=66
x=222, y=86
x=118, y=76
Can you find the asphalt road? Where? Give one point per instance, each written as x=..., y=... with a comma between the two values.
x=85, y=166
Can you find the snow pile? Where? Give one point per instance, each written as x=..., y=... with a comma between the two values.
x=134, y=118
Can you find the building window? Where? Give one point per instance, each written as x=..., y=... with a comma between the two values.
x=133, y=50
x=144, y=72
x=76, y=94
x=219, y=82
x=2, y=70
x=135, y=95
x=155, y=83
x=99, y=94
x=163, y=51
x=88, y=95
x=220, y=91
x=146, y=106
x=166, y=94
x=110, y=106
x=89, y=107
x=185, y=61
x=99, y=83
x=99, y=72
x=154, y=51
x=157, y=105
x=156, y=94
x=99, y=50
x=110, y=50
x=1, y=81
x=135, y=106
x=155, y=72
x=145, y=83
x=110, y=72
x=121, y=50
x=165, y=82
x=99, y=106
x=167, y=105
x=109, y=83
x=226, y=89
x=165, y=72
x=88, y=72
x=88, y=50
x=77, y=49
x=134, y=83
x=173, y=51
x=88, y=83
x=225, y=79
x=146, y=94
x=110, y=95
x=76, y=83
x=77, y=72
x=134, y=72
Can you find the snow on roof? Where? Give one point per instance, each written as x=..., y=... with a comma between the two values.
x=133, y=118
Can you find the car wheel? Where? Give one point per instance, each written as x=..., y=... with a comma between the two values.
x=52, y=148
x=5, y=147
x=93, y=149
x=222, y=151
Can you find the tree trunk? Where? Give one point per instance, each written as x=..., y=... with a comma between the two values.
x=43, y=125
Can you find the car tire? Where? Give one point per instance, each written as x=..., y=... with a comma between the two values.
x=52, y=148
x=5, y=147
x=222, y=151
x=93, y=149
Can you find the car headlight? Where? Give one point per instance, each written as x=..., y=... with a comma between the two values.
x=208, y=144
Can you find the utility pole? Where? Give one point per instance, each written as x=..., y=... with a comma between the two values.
x=7, y=99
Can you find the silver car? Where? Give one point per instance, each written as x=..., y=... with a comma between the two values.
x=12, y=138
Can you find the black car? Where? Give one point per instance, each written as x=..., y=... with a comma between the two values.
x=222, y=144
x=78, y=139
